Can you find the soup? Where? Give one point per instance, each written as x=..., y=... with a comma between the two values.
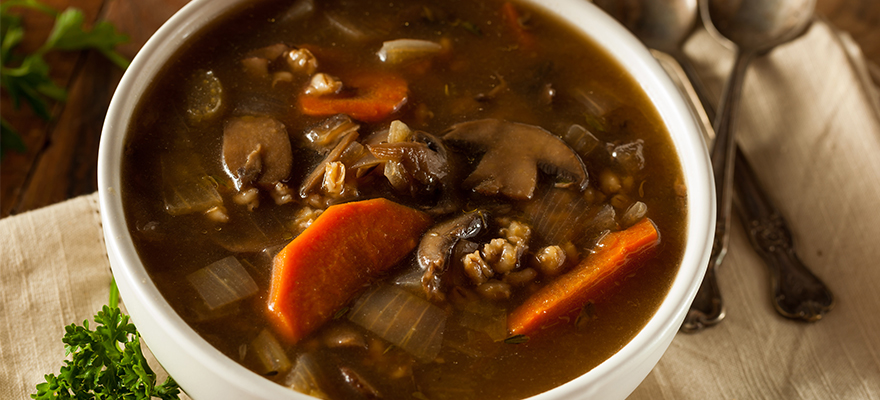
x=404, y=200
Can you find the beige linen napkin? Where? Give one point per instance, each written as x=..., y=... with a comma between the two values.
x=809, y=131
x=53, y=272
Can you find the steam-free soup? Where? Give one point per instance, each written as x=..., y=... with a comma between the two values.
x=420, y=199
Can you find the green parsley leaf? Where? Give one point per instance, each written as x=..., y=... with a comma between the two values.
x=10, y=139
x=26, y=78
x=35, y=4
x=105, y=363
x=68, y=34
x=516, y=339
x=13, y=34
x=30, y=81
x=469, y=26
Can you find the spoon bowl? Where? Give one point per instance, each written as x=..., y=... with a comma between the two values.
x=660, y=24
x=757, y=25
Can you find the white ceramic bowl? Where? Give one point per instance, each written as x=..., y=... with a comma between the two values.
x=205, y=373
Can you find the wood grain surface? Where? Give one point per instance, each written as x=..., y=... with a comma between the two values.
x=61, y=157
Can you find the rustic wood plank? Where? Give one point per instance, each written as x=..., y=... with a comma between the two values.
x=68, y=165
x=140, y=19
x=16, y=168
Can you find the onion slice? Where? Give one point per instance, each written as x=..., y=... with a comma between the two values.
x=407, y=321
x=306, y=377
x=223, y=282
x=269, y=354
x=187, y=188
x=558, y=216
x=401, y=50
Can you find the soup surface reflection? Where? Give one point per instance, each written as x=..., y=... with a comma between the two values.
x=419, y=199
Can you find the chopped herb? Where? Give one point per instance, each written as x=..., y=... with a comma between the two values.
x=469, y=26
x=26, y=77
x=341, y=313
x=587, y=314
x=106, y=363
x=10, y=139
x=218, y=181
x=595, y=123
x=516, y=339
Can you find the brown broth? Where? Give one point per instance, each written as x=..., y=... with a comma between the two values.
x=484, y=55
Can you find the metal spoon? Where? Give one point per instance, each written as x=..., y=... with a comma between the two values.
x=755, y=27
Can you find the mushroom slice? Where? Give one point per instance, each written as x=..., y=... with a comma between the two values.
x=437, y=245
x=513, y=153
x=419, y=159
x=256, y=151
x=425, y=166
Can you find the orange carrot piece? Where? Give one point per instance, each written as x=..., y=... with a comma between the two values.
x=377, y=96
x=615, y=257
x=512, y=18
x=332, y=261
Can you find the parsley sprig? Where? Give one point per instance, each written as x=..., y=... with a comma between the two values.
x=26, y=77
x=105, y=363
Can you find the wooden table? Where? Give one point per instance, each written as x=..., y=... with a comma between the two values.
x=61, y=157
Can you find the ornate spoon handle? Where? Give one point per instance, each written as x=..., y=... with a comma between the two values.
x=708, y=308
x=797, y=293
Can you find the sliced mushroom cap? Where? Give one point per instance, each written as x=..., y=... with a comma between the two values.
x=513, y=153
x=437, y=245
x=424, y=164
x=256, y=151
x=426, y=167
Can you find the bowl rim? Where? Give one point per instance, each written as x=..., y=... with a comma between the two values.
x=145, y=301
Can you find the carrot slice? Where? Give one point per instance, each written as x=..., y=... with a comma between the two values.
x=377, y=96
x=513, y=19
x=333, y=260
x=615, y=257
